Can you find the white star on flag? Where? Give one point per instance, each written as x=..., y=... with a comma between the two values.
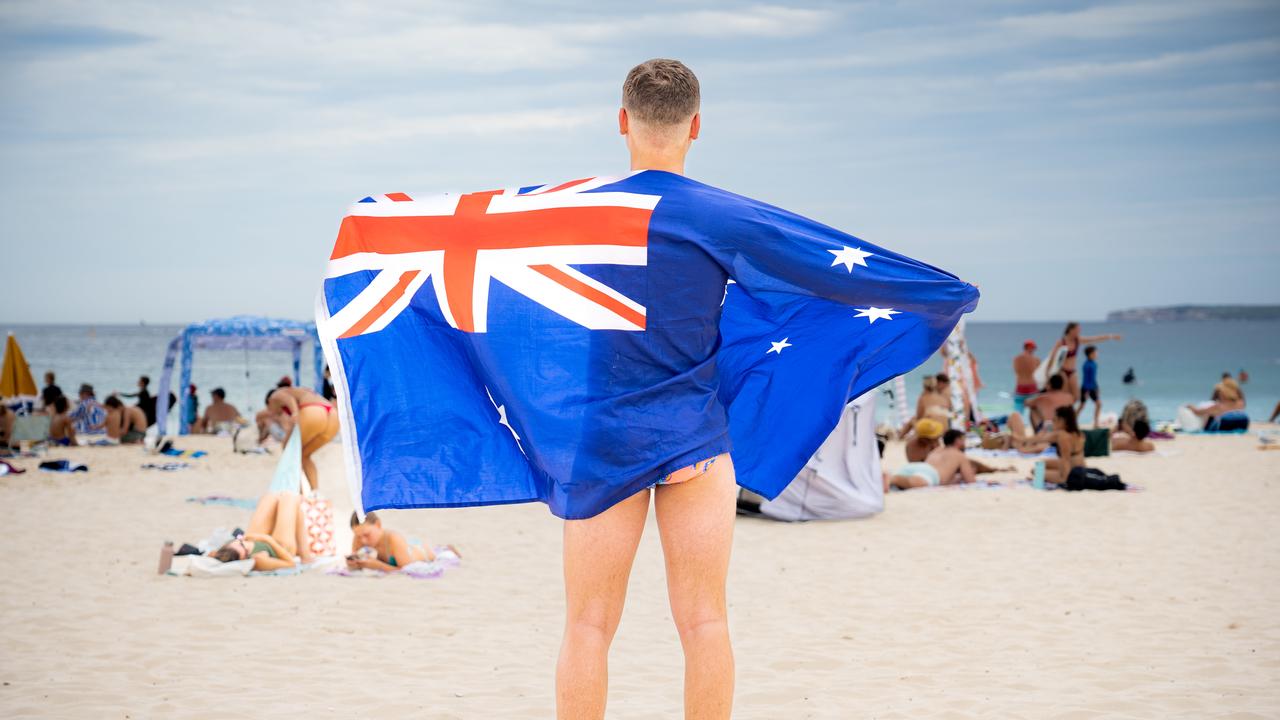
x=850, y=257
x=873, y=314
x=778, y=346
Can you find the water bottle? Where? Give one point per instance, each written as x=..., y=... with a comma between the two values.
x=1037, y=475
x=166, y=557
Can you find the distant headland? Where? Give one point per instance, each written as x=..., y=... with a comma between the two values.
x=1174, y=313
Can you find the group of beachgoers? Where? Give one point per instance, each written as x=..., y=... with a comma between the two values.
x=287, y=407
x=123, y=423
x=275, y=539
x=1046, y=409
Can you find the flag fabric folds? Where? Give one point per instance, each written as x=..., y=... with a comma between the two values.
x=575, y=343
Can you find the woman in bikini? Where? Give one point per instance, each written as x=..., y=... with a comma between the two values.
x=305, y=410
x=275, y=535
x=394, y=551
x=1070, y=443
x=1072, y=341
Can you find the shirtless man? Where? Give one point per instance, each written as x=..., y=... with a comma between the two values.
x=218, y=413
x=1044, y=405
x=1024, y=375
x=62, y=430
x=947, y=465
x=126, y=423
x=923, y=439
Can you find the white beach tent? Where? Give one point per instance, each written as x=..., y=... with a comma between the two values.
x=842, y=479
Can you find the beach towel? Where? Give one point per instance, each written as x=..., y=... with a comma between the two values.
x=586, y=339
x=63, y=466
x=167, y=467
x=445, y=559
x=988, y=453
x=245, y=503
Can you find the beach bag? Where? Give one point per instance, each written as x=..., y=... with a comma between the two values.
x=317, y=520
x=1097, y=443
x=317, y=510
x=1083, y=478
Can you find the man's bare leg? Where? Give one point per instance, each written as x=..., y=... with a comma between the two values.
x=598, y=553
x=695, y=519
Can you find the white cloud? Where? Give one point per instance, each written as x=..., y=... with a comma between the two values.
x=1119, y=20
x=1096, y=70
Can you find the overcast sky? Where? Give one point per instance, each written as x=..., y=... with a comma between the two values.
x=171, y=162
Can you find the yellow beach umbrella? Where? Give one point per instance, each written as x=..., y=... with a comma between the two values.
x=15, y=374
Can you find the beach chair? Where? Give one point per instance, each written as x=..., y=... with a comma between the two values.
x=31, y=428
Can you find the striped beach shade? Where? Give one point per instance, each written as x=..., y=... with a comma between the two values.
x=16, y=383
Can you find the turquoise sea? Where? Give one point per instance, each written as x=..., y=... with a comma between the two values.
x=1175, y=363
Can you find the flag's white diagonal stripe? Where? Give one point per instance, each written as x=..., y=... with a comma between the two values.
x=562, y=300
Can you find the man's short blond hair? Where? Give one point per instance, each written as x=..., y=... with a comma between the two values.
x=661, y=93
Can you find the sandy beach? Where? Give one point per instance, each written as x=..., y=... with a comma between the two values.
x=954, y=603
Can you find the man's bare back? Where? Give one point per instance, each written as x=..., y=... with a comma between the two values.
x=953, y=466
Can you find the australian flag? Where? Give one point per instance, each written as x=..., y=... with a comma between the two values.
x=575, y=343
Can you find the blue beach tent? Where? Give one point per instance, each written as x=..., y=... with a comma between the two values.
x=242, y=332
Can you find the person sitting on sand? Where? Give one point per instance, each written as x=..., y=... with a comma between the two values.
x=7, y=419
x=276, y=535
x=934, y=402
x=947, y=465
x=1133, y=442
x=62, y=431
x=1227, y=397
x=389, y=551
x=88, y=414
x=301, y=409
x=1044, y=405
x=126, y=423
x=923, y=439
x=1070, y=443
x=1018, y=439
x=219, y=416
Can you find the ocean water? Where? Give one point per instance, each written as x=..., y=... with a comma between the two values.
x=1175, y=363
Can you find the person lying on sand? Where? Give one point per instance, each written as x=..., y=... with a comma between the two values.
x=1133, y=442
x=126, y=423
x=388, y=550
x=62, y=429
x=947, y=465
x=275, y=535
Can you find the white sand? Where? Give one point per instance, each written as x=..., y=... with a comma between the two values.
x=964, y=603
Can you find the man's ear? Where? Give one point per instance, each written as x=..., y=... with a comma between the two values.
x=695, y=125
x=622, y=121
